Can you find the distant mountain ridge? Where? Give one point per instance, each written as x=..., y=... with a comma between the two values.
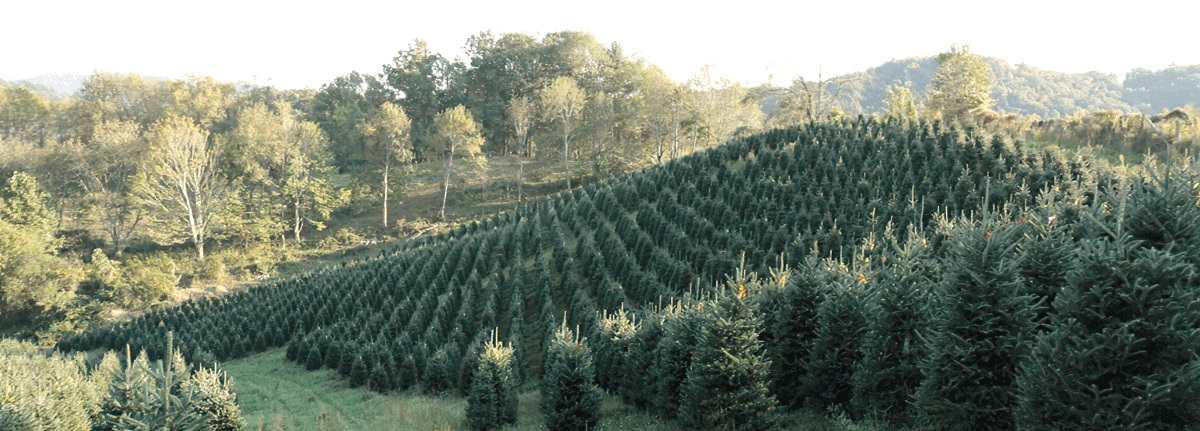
x=1025, y=89
x=65, y=84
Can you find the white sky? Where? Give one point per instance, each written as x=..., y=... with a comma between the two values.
x=301, y=44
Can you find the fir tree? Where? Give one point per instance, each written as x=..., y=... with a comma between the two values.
x=889, y=372
x=978, y=330
x=441, y=373
x=727, y=382
x=789, y=330
x=360, y=372
x=673, y=356
x=836, y=346
x=313, y=360
x=1122, y=350
x=570, y=397
x=615, y=333
x=379, y=380
x=492, y=399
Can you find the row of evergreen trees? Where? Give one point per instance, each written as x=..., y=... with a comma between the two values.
x=421, y=315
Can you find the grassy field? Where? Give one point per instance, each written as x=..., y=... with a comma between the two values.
x=276, y=394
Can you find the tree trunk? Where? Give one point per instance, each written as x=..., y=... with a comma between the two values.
x=299, y=222
x=566, y=151
x=386, y=168
x=446, y=184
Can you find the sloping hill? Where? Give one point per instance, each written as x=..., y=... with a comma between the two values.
x=630, y=241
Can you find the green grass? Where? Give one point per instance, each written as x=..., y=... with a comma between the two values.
x=276, y=394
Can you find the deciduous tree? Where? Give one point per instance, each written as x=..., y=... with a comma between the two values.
x=388, y=134
x=458, y=136
x=963, y=82
x=562, y=101
x=183, y=183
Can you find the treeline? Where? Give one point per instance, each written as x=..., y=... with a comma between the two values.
x=149, y=162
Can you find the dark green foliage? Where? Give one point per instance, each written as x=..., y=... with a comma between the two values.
x=441, y=373
x=380, y=379
x=333, y=355
x=837, y=344
x=892, y=348
x=727, y=385
x=613, y=338
x=570, y=397
x=635, y=379
x=470, y=362
x=788, y=330
x=673, y=356
x=360, y=373
x=1122, y=350
x=1045, y=259
x=492, y=399
x=406, y=374
x=313, y=360
x=978, y=330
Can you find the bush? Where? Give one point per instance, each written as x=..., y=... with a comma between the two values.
x=137, y=281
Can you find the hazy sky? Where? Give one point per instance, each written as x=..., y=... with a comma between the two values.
x=300, y=44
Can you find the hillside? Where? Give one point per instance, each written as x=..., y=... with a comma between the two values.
x=926, y=280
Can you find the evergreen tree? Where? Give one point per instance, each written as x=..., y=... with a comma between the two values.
x=789, y=328
x=379, y=379
x=978, y=331
x=217, y=400
x=615, y=333
x=727, y=382
x=441, y=373
x=889, y=372
x=360, y=372
x=313, y=360
x=492, y=399
x=673, y=356
x=1121, y=353
x=635, y=382
x=570, y=397
x=837, y=344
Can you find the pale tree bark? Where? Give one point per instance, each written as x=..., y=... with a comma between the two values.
x=184, y=182
x=562, y=100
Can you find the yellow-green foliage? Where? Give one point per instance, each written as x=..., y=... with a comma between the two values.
x=47, y=392
x=139, y=280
